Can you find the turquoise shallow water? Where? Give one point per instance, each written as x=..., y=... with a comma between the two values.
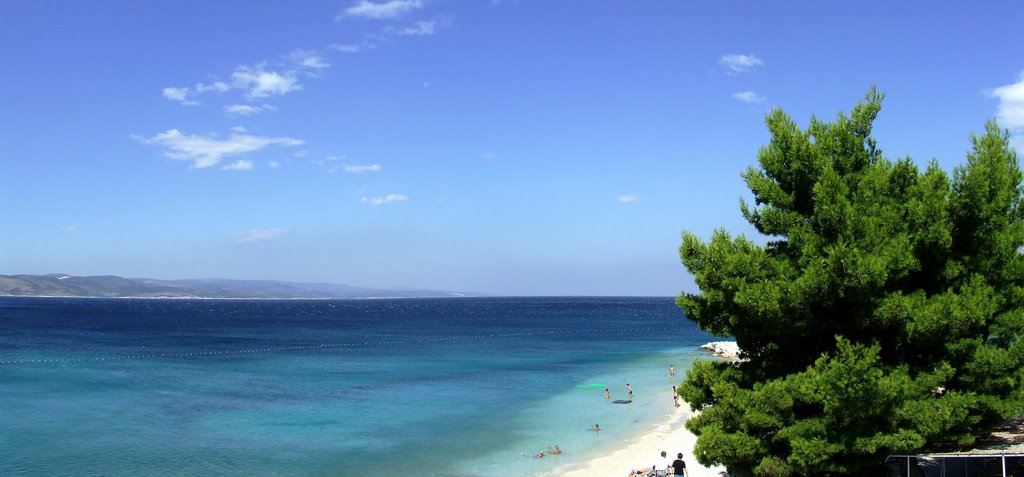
x=447, y=387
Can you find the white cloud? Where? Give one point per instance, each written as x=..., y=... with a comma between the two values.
x=68, y=228
x=239, y=165
x=240, y=129
x=748, y=97
x=361, y=168
x=346, y=48
x=176, y=94
x=246, y=109
x=377, y=11
x=253, y=236
x=308, y=59
x=180, y=95
x=328, y=162
x=219, y=87
x=1010, y=112
x=490, y=156
x=260, y=83
x=384, y=200
x=242, y=110
x=274, y=164
x=736, y=64
x=353, y=47
x=420, y=28
x=207, y=151
x=628, y=198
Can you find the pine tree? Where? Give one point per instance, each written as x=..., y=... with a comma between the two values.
x=884, y=313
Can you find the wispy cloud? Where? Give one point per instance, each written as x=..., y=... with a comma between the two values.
x=748, y=97
x=1010, y=112
x=308, y=59
x=381, y=10
x=184, y=95
x=421, y=28
x=207, y=151
x=385, y=200
x=628, y=198
x=361, y=168
x=68, y=228
x=253, y=236
x=246, y=109
x=353, y=47
x=736, y=63
x=257, y=81
x=180, y=95
x=239, y=165
x=260, y=83
x=218, y=86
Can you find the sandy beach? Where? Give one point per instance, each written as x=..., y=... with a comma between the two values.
x=642, y=451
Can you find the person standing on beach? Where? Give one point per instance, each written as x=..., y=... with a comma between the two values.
x=629, y=389
x=678, y=466
x=675, y=396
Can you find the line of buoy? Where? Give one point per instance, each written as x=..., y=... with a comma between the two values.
x=365, y=343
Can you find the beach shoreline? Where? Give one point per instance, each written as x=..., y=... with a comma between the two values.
x=642, y=450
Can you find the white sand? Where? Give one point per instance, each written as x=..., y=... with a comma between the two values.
x=642, y=451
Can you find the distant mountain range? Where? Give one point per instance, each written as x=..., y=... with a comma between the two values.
x=111, y=286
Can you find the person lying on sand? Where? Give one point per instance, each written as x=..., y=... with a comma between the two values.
x=645, y=472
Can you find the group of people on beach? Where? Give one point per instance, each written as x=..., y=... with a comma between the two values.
x=629, y=391
x=676, y=467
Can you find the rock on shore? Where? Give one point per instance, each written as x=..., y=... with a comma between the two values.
x=724, y=349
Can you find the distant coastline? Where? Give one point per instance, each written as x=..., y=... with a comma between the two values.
x=114, y=287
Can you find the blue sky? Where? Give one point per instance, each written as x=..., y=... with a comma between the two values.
x=513, y=147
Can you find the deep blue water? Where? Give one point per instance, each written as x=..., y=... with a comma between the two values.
x=296, y=387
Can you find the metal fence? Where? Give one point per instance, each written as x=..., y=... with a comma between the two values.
x=956, y=465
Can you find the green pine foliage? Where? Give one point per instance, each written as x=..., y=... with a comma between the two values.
x=885, y=313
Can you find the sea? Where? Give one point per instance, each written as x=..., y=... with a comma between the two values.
x=448, y=387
